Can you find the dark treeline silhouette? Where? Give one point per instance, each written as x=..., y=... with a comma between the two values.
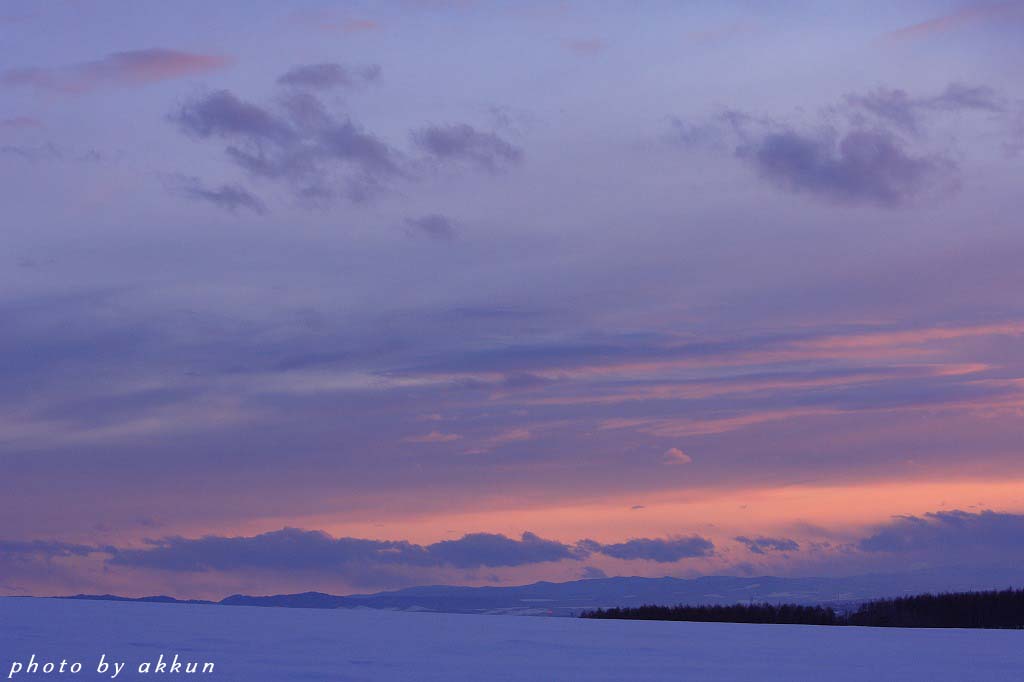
x=994, y=609
x=790, y=614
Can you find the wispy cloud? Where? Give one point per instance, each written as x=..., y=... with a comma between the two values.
x=761, y=544
x=464, y=143
x=434, y=437
x=971, y=14
x=120, y=69
x=434, y=226
x=587, y=46
x=329, y=75
x=227, y=196
x=21, y=122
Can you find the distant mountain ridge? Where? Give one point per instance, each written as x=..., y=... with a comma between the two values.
x=570, y=598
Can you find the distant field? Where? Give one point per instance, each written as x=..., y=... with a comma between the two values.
x=248, y=643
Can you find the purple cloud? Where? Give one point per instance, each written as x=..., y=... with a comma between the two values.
x=489, y=549
x=905, y=111
x=871, y=148
x=21, y=122
x=863, y=166
x=303, y=145
x=950, y=534
x=327, y=76
x=46, y=549
x=588, y=46
x=295, y=549
x=227, y=196
x=433, y=226
x=656, y=549
x=464, y=143
x=761, y=544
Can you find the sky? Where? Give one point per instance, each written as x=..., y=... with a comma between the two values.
x=355, y=296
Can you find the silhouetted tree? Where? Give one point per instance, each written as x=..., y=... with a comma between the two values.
x=992, y=609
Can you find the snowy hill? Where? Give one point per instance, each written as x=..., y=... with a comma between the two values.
x=569, y=598
x=315, y=644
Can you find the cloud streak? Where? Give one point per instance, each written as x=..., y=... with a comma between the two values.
x=462, y=143
x=763, y=545
x=975, y=13
x=230, y=197
x=329, y=76
x=131, y=68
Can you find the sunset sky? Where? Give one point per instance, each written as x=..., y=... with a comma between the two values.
x=356, y=296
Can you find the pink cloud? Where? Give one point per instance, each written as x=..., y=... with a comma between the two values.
x=328, y=21
x=359, y=25
x=585, y=47
x=21, y=122
x=434, y=437
x=957, y=19
x=677, y=456
x=503, y=438
x=723, y=32
x=120, y=69
x=678, y=427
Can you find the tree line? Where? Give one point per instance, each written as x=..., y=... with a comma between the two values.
x=990, y=609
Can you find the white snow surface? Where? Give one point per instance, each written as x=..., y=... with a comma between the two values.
x=252, y=643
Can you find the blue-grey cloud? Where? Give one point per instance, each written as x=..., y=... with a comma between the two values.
x=292, y=549
x=953, y=535
x=222, y=114
x=434, y=226
x=464, y=143
x=46, y=549
x=227, y=196
x=871, y=148
x=329, y=75
x=657, y=549
x=304, y=145
x=489, y=549
x=909, y=112
x=761, y=544
x=295, y=549
x=861, y=166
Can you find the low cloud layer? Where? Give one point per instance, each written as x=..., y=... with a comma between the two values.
x=948, y=539
x=660, y=550
x=295, y=549
x=951, y=537
x=292, y=550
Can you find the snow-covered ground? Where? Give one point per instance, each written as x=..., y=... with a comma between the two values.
x=250, y=643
